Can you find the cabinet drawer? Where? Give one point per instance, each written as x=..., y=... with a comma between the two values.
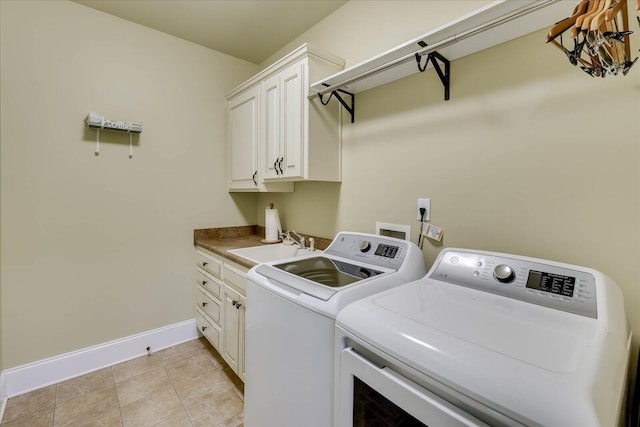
x=210, y=331
x=210, y=307
x=208, y=263
x=208, y=283
x=235, y=276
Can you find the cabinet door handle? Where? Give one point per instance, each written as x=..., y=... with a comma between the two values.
x=275, y=166
x=234, y=302
x=203, y=328
x=280, y=165
x=238, y=305
x=255, y=182
x=204, y=263
x=204, y=304
x=204, y=283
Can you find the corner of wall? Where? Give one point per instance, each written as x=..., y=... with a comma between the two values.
x=3, y=395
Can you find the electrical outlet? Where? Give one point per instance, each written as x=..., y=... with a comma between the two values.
x=426, y=204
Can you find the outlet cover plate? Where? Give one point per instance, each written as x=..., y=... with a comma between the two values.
x=425, y=203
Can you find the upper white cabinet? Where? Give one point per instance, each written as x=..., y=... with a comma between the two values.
x=276, y=135
x=243, y=140
x=283, y=129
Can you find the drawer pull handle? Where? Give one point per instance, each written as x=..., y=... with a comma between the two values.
x=204, y=263
x=203, y=328
x=204, y=283
x=204, y=304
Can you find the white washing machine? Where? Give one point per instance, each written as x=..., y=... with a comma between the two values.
x=290, y=323
x=485, y=339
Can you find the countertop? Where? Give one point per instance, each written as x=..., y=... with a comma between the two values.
x=220, y=240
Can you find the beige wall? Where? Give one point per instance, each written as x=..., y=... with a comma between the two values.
x=96, y=248
x=530, y=156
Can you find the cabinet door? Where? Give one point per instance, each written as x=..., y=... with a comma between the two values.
x=293, y=102
x=270, y=153
x=243, y=140
x=231, y=327
x=241, y=327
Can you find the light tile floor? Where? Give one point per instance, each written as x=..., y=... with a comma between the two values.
x=185, y=385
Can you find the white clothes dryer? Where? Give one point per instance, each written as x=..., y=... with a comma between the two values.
x=486, y=339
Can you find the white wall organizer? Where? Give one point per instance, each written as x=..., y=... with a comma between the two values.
x=95, y=120
x=98, y=122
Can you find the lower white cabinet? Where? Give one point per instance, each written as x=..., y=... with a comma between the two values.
x=233, y=330
x=220, y=304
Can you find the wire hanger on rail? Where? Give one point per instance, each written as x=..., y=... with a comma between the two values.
x=599, y=30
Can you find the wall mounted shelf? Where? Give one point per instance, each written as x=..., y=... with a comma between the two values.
x=493, y=24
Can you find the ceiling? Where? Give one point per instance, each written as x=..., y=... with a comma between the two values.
x=248, y=29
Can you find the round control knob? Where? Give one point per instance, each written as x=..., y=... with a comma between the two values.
x=365, y=245
x=503, y=273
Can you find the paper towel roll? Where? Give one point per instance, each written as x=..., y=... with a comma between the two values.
x=272, y=225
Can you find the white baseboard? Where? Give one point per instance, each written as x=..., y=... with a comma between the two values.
x=26, y=378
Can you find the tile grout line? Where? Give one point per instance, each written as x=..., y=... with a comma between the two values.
x=115, y=386
x=55, y=404
x=175, y=391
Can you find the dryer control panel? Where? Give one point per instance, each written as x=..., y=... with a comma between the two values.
x=548, y=284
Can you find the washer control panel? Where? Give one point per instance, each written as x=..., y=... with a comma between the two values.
x=375, y=250
x=533, y=281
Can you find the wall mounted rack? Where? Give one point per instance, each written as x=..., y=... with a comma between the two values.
x=98, y=122
x=488, y=26
x=95, y=120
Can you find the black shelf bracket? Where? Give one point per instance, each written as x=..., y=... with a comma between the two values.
x=434, y=57
x=351, y=109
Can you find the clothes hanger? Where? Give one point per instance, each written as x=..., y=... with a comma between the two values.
x=621, y=44
x=598, y=19
x=593, y=4
x=559, y=28
x=627, y=43
x=567, y=23
x=604, y=46
x=586, y=23
x=614, y=9
x=609, y=52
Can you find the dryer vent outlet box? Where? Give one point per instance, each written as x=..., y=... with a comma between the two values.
x=399, y=231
